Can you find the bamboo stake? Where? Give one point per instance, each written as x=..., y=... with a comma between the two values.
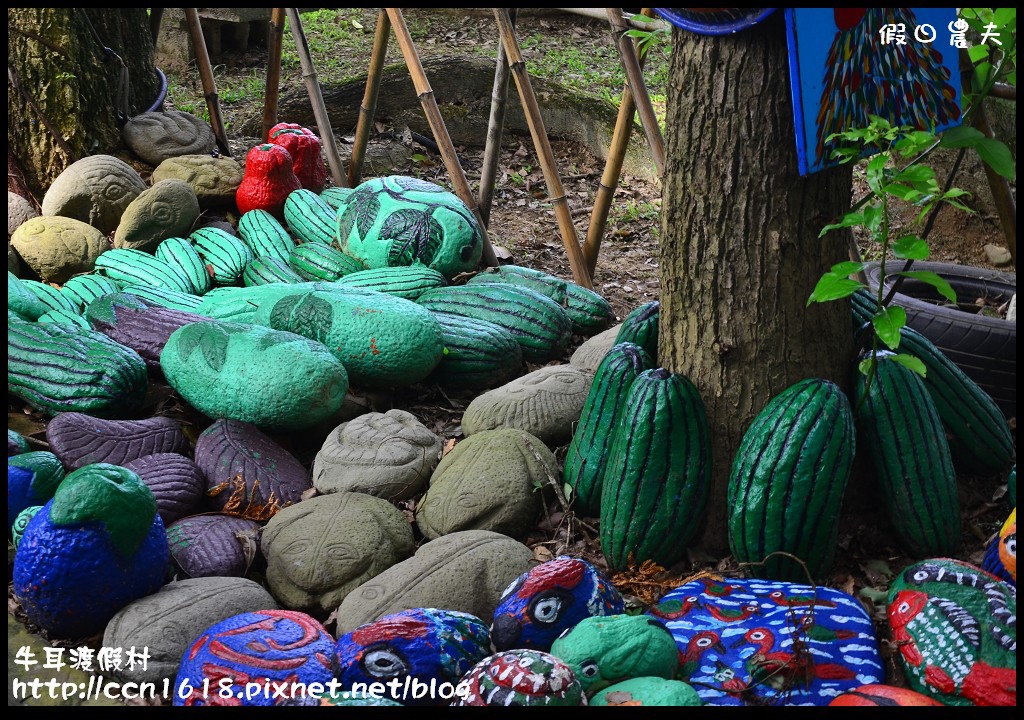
x=612, y=171
x=274, y=43
x=540, y=140
x=635, y=77
x=438, y=128
x=206, y=75
x=369, y=104
x=316, y=98
x=495, y=128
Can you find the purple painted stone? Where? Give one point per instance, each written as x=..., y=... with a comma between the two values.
x=78, y=439
x=138, y=323
x=736, y=641
x=214, y=545
x=423, y=644
x=251, y=655
x=176, y=482
x=247, y=473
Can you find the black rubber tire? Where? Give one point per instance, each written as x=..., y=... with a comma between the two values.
x=985, y=348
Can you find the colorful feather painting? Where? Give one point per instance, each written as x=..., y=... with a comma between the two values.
x=847, y=64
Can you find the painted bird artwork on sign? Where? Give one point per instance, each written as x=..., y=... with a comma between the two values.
x=848, y=64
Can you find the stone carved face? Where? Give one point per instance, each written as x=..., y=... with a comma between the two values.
x=321, y=549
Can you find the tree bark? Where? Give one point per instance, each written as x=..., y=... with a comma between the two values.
x=740, y=252
x=65, y=79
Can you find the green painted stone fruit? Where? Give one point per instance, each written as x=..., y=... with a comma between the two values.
x=400, y=220
x=273, y=379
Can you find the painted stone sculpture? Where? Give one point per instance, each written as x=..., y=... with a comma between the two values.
x=245, y=658
x=167, y=622
x=549, y=599
x=304, y=147
x=546, y=403
x=267, y=181
x=389, y=455
x=1001, y=554
x=428, y=645
x=16, y=443
x=956, y=629
x=522, y=678
x=56, y=248
x=588, y=356
x=32, y=479
x=882, y=696
x=746, y=642
x=247, y=473
x=95, y=190
x=464, y=571
x=157, y=136
x=79, y=439
x=606, y=650
x=647, y=691
x=165, y=210
x=269, y=378
x=487, y=482
x=320, y=550
x=214, y=180
x=21, y=522
x=400, y=220
x=214, y=545
x=95, y=547
x=176, y=482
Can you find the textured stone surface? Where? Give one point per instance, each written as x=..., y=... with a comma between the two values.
x=55, y=248
x=280, y=646
x=463, y=571
x=214, y=180
x=550, y=599
x=247, y=473
x=95, y=190
x=399, y=220
x=79, y=439
x=176, y=482
x=489, y=481
x=32, y=479
x=214, y=545
x=956, y=630
x=545, y=403
x=95, y=547
x=158, y=136
x=522, y=678
x=423, y=644
x=390, y=455
x=168, y=209
x=590, y=354
x=647, y=691
x=735, y=635
x=169, y=621
x=323, y=548
x=19, y=210
x=266, y=377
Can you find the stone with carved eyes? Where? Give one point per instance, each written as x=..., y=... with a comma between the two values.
x=95, y=190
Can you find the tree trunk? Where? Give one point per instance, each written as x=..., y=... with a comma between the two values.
x=740, y=252
x=63, y=102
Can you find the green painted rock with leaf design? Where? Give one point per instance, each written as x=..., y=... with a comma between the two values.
x=270, y=378
x=399, y=220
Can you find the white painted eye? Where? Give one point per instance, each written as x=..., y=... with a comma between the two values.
x=704, y=642
x=903, y=607
x=384, y=663
x=547, y=610
x=1011, y=544
x=921, y=575
x=589, y=668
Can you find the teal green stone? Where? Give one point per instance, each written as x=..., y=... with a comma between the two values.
x=110, y=494
x=647, y=691
x=21, y=522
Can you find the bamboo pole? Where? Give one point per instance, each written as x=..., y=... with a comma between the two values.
x=323, y=123
x=437, y=127
x=206, y=75
x=612, y=171
x=540, y=140
x=495, y=128
x=369, y=105
x=635, y=77
x=270, y=98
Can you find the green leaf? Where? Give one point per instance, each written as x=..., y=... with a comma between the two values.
x=878, y=597
x=997, y=156
x=915, y=174
x=888, y=323
x=848, y=220
x=833, y=287
x=912, y=362
x=936, y=281
x=959, y=137
x=876, y=173
x=873, y=218
x=910, y=247
x=1005, y=18
x=846, y=269
x=977, y=52
x=904, y=192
